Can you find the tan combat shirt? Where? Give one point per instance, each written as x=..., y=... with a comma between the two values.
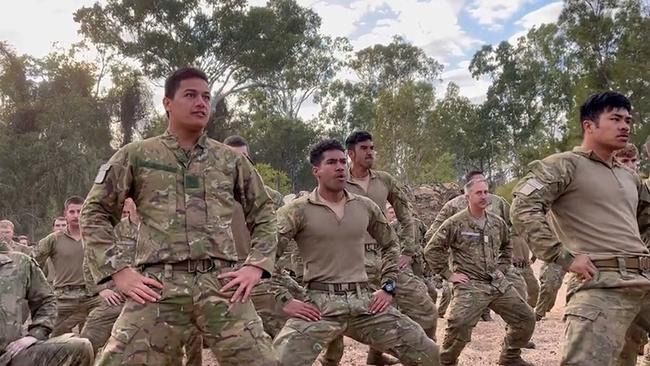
x=333, y=250
x=67, y=256
x=592, y=206
x=384, y=188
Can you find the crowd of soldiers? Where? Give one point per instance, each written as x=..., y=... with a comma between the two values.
x=179, y=245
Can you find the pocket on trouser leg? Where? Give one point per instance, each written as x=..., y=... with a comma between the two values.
x=243, y=343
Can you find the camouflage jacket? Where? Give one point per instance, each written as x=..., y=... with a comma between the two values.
x=22, y=280
x=185, y=202
x=481, y=253
x=575, y=203
x=126, y=235
x=17, y=247
x=276, y=197
x=498, y=206
x=383, y=188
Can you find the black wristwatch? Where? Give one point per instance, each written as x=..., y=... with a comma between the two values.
x=389, y=287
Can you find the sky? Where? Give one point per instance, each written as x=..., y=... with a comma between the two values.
x=450, y=31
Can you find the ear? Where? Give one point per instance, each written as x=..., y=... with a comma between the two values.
x=351, y=153
x=588, y=125
x=314, y=171
x=166, y=102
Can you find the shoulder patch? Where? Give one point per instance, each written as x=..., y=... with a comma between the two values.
x=101, y=175
x=530, y=186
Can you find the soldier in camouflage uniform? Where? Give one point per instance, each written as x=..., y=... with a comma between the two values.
x=21, y=281
x=185, y=272
x=412, y=295
x=551, y=276
x=497, y=206
x=65, y=250
x=521, y=260
x=583, y=211
x=329, y=226
x=7, y=237
x=481, y=253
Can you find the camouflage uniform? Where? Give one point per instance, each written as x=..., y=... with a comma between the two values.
x=21, y=280
x=333, y=252
x=483, y=254
x=73, y=299
x=412, y=293
x=497, y=206
x=521, y=261
x=17, y=247
x=185, y=203
x=575, y=203
x=550, y=281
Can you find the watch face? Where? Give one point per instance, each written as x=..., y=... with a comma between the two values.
x=389, y=287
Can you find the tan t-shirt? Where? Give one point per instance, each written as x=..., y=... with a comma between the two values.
x=66, y=254
x=333, y=249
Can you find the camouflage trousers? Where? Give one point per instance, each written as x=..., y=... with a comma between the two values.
x=154, y=333
x=532, y=286
x=98, y=325
x=64, y=350
x=445, y=299
x=469, y=300
x=601, y=317
x=300, y=342
x=268, y=309
x=411, y=299
x=73, y=308
x=550, y=281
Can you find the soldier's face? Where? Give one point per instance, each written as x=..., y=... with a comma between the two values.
x=72, y=214
x=330, y=173
x=478, y=195
x=390, y=213
x=612, y=130
x=23, y=241
x=630, y=162
x=60, y=225
x=363, y=154
x=189, y=110
x=6, y=233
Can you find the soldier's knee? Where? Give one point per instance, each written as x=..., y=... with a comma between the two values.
x=79, y=349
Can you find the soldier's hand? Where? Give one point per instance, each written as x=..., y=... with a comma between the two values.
x=302, y=310
x=458, y=278
x=136, y=286
x=111, y=297
x=18, y=345
x=405, y=261
x=381, y=300
x=583, y=267
x=244, y=279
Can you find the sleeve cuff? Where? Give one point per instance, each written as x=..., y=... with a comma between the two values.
x=39, y=332
x=565, y=259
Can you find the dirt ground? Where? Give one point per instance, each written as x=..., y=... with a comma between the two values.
x=485, y=345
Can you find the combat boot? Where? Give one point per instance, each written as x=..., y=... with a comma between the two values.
x=380, y=359
x=512, y=357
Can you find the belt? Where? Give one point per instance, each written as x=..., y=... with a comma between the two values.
x=638, y=263
x=338, y=287
x=72, y=287
x=372, y=247
x=194, y=265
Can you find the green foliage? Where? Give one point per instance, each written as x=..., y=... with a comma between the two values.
x=274, y=178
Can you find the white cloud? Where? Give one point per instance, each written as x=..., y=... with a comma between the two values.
x=471, y=88
x=492, y=12
x=546, y=14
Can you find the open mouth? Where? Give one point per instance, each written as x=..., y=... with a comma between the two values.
x=199, y=114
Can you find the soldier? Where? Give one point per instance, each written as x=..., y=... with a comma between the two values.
x=24, y=240
x=185, y=272
x=481, y=253
x=579, y=209
x=521, y=260
x=21, y=281
x=329, y=227
x=59, y=224
x=412, y=295
x=7, y=237
x=66, y=252
x=628, y=157
x=499, y=207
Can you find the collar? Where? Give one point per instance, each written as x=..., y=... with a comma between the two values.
x=67, y=233
x=472, y=220
x=349, y=178
x=172, y=141
x=591, y=155
x=314, y=197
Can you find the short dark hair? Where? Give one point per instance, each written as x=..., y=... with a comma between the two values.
x=356, y=137
x=601, y=102
x=74, y=200
x=471, y=174
x=59, y=218
x=317, y=151
x=235, y=141
x=173, y=81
